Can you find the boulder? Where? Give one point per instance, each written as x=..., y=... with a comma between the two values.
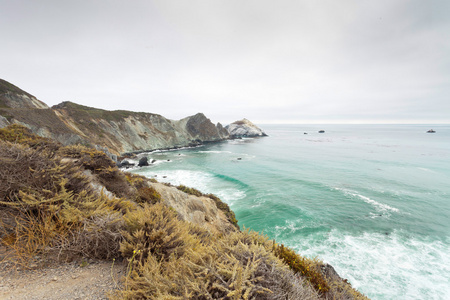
x=126, y=163
x=143, y=161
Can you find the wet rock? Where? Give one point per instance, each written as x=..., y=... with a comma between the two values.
x=143, y=162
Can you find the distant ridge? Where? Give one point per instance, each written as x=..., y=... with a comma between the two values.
x=120, y=131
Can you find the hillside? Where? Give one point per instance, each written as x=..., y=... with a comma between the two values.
x=13, y=97
x=71, y=203
x=120, y=131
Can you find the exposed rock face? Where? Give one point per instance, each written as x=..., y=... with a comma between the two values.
x=203, y=129
x=198, y=210
x=244, y=128
x=120, y=131
x=126, y=131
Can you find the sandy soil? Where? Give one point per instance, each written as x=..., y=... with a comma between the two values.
x=79, y=279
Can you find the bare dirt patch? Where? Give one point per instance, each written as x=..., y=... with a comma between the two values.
x=80, y=279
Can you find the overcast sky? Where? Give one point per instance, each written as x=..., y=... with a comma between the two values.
x=315, y=61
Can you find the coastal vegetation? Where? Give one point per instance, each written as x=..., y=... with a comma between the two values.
x=73, y=201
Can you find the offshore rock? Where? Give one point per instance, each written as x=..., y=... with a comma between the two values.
x=244, y=128
x=143, y=162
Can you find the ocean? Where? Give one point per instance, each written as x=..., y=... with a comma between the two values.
x=371, y=200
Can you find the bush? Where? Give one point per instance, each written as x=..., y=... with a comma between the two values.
x=226, y=209
x=225, y=268
x=30, y=171
x=100, y=165
x=305, y=267
x=190, y=191
x=19, y=134
x=153, y=230
x=148, y=195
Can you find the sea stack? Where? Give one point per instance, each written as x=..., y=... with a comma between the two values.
x=244, y=128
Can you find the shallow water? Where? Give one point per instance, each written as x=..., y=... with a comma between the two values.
x=372, y=200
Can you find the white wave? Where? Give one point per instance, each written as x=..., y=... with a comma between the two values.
x=382, y=266
x=378, y=206
x=293, y=226
x=203, y=181
x=214, y=151
x=426, y=170
x=197, y=179
x=230, y=195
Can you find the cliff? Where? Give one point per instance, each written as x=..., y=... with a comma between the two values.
x=121, y=131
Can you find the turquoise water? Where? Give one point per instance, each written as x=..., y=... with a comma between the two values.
x=371, y=200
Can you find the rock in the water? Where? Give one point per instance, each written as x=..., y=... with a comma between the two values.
x=143, y=161
x=126, y=163
x=244, y=128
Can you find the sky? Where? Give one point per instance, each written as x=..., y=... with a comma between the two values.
x=299, y=61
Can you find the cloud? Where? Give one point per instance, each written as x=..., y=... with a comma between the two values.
x=283, y=61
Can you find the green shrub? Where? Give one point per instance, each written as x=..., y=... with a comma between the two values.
x=303, y=266
x=225, y=208
x=190, y=191
x=147, y=194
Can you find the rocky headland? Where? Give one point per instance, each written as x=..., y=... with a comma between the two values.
x=244, y=128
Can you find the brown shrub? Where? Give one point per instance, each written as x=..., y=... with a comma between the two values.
x=31, y=171
x=20, y=134
x=32, y=234
x=101, y=166
x=222, y=269
x=153, y=230
x=98, y=237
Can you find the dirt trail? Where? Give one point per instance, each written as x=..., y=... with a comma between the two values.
x=90, y=279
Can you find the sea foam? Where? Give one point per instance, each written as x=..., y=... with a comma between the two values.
x=392, y=266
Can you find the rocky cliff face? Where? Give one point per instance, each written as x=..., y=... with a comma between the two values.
x=244, y=128
x=120, y=131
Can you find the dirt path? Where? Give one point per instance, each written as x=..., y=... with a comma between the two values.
x=89, y=279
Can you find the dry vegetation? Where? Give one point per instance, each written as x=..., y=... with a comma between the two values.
x=50, y=201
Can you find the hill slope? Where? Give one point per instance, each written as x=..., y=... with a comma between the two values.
x=121, y=131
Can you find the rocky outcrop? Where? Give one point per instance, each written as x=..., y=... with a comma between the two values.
x=203, y=129
x=116, y=131
x=244, y=128
x=201, y=211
